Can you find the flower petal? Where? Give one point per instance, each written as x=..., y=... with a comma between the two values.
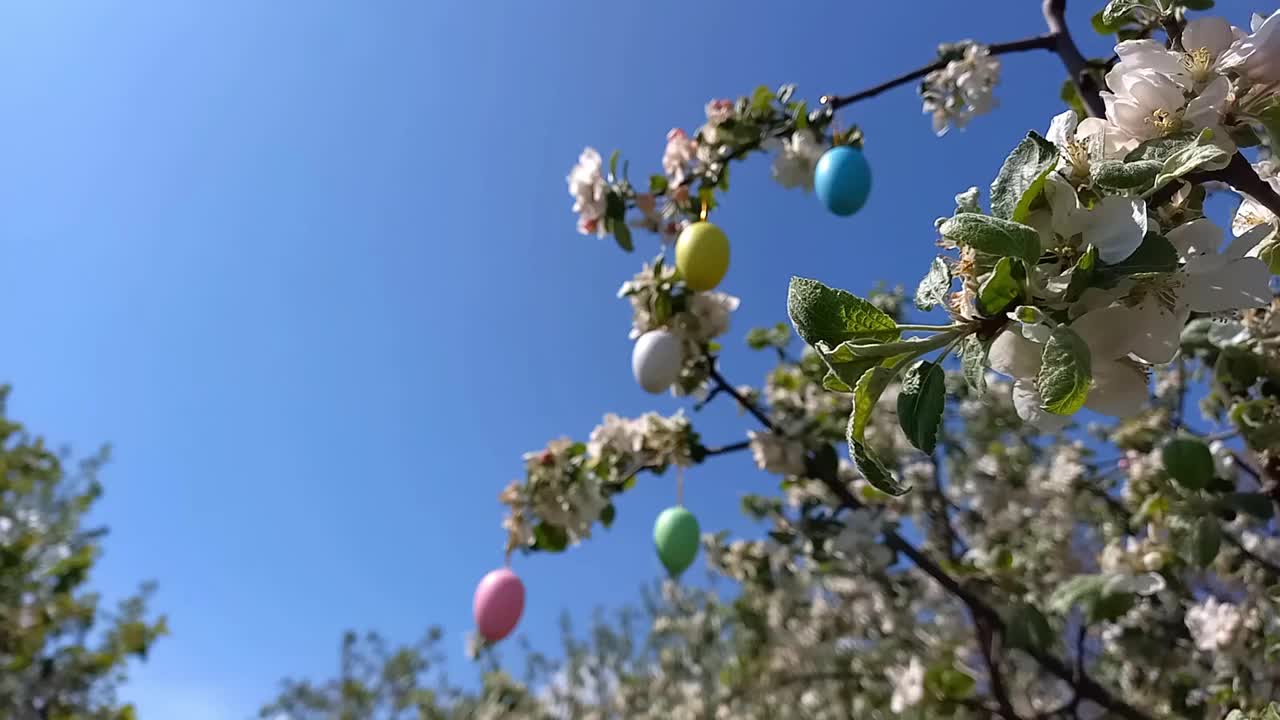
x=1027, y=402
x=1241, y=283
x=1156, y=330
x=1195, y=238
x=1062, y=128
x=1107, y=332
x=1116, y=226
x=1119, y=389
x=1013, y=355
x=1211, y=33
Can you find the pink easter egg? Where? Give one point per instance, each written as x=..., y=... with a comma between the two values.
x=498, y=603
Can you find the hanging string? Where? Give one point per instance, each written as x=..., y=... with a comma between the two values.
x=703, y=215
x=679, y=486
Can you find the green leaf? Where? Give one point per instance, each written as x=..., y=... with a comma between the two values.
x=622, y=236
x=1021, y=178
x=867, y=392
x=1200, y=153
x=1003, y=286
x=1027, y=628
x=1188, y=461
x=1270, y=119
x=1198, y=5
x=1101, y=26
x=831, y=381
x=762, y=99
x=947, y=683
x=1079, y=589
x=935, y=286
x=865, y=395
x=823, y=314
x=1269, y=253
x=1070, y=95
x=550, y=538
x=658, y=184
x=911, y=348
x=1160, y=148
x=1109, y=605
x=1065, y=372
x=1118, y=175
x=846, y=373
x=607, y=515
x=1118, y=11
x=613, y=163
x=920, y=403
x=1255, y=504
x=993, y=236
x=1082, y=274
x=1205, y=541
x=973, y=362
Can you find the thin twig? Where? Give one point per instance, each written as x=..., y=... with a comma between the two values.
x=835, y=102
x=1055, y=12
x=987, y=640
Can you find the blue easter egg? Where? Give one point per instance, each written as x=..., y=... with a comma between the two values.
x=842, y=180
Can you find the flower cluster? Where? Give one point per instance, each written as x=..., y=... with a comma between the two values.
x=658, y=300
x=961, y=89
x=568, y=484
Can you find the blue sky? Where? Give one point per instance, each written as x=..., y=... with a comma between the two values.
x=310, y=268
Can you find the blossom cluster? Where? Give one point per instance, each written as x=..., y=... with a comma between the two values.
x=962, y=88
x=568, y=485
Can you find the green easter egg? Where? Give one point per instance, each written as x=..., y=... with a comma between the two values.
x=676, y=536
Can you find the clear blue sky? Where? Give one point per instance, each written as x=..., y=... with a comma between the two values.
x=310, y=268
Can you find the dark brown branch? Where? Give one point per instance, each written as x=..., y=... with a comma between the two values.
x=1039, y=42
x=1239, y=174
x=987, y=641
x=731, y=447
x=1077, y=68
x=1085, y=686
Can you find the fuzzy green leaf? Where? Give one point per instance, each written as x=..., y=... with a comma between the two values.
x=1021, y=178
x=920, y=403
x=1003, y=286
x=935, y=286
x=823, y=314
x=973, y=362
x=1065, y=372
x=993, y=236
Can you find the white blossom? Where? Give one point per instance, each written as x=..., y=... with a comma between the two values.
x=795, y=160
x=1213, y=624
x=679, y=153
x=1257, y=55
x=908, y=685
x=590, y=192
x=776, y=454
x=962, y=89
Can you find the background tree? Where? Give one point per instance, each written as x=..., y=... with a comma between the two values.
x=62, y=655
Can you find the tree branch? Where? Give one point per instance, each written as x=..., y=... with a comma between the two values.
x=1084, y=685
x=987, y=640
x=1055, y=17
x=1239, y=174
x=1039, y=42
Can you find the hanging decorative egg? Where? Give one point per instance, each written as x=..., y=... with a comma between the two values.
x=497, y=605
x=676, y=536
x=842, y=179
x=702, y=255
x=656, y=360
